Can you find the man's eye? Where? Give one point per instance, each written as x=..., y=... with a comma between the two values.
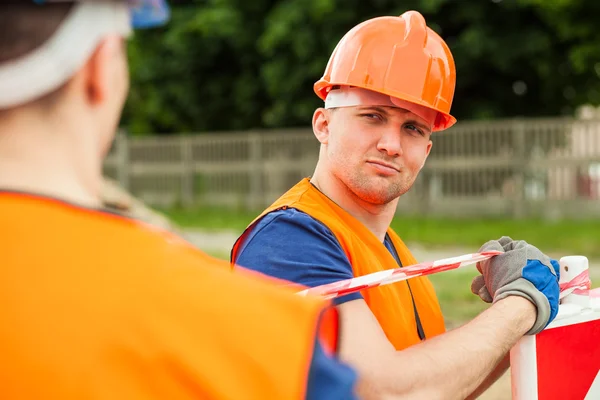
x=373, y=116
x=415, y=129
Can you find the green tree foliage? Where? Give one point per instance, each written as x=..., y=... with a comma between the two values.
x=237, y=64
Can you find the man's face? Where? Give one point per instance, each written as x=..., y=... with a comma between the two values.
x=376, y=152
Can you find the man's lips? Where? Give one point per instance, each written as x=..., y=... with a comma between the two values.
x=384, y=165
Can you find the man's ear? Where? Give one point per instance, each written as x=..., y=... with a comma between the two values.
x=320, y=123
x=100, y=71
x=429, y=145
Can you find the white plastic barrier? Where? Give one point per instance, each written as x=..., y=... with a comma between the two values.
x=563, y=361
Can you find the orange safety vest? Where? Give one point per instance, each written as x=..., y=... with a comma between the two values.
x=96, y=305
x=392, y=305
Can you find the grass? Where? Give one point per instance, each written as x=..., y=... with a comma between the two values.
x=560, y=237
x=453, y=289
x=211, y=219
x=554, y=238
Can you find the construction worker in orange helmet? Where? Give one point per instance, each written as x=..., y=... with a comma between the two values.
x=387, y=87
x=97, y=305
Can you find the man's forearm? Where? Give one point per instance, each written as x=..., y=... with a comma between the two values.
x=454, y=365
x=492, y=378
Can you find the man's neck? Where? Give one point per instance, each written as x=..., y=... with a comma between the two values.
x=377, y=218
x=42, y=158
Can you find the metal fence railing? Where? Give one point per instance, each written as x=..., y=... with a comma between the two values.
x=523, y=167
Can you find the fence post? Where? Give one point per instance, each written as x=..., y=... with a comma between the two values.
x=187, y=172
x=520, y=165
x=122, y=159
x=256, y=194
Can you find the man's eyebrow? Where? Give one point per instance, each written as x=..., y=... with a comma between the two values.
x=383, y=110
x=374, y=108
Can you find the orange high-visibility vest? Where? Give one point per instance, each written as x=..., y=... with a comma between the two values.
x=96, y=305
x=392, y=305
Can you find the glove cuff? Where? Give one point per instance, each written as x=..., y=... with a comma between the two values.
x=522, y=287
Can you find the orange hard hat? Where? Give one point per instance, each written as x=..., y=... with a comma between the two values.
x=397, y=56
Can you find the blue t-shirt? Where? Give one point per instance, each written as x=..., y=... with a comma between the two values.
x=318, y=257
x=328, y=378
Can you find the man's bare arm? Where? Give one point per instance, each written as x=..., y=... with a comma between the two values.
x=450, y=366
x=491, y=378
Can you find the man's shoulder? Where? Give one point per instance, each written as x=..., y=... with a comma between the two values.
x=293, y=246
x=289, y=221
x=286, y=214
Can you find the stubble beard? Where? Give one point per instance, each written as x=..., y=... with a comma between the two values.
x=378, y=190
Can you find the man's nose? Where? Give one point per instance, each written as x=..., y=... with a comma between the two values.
x=390, y=142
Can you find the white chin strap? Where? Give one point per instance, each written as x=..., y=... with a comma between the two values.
x=51, y=65
x=347, y=96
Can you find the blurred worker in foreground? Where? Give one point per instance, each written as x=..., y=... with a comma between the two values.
x=96, y=305
x=388, y=86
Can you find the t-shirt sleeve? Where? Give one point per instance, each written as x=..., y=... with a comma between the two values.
x=291, y=245
x=328, y=378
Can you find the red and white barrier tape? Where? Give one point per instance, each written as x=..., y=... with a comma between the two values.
x=341, y=288
x=581, y=284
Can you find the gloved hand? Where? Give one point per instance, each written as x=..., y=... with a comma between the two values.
x=523, y=270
